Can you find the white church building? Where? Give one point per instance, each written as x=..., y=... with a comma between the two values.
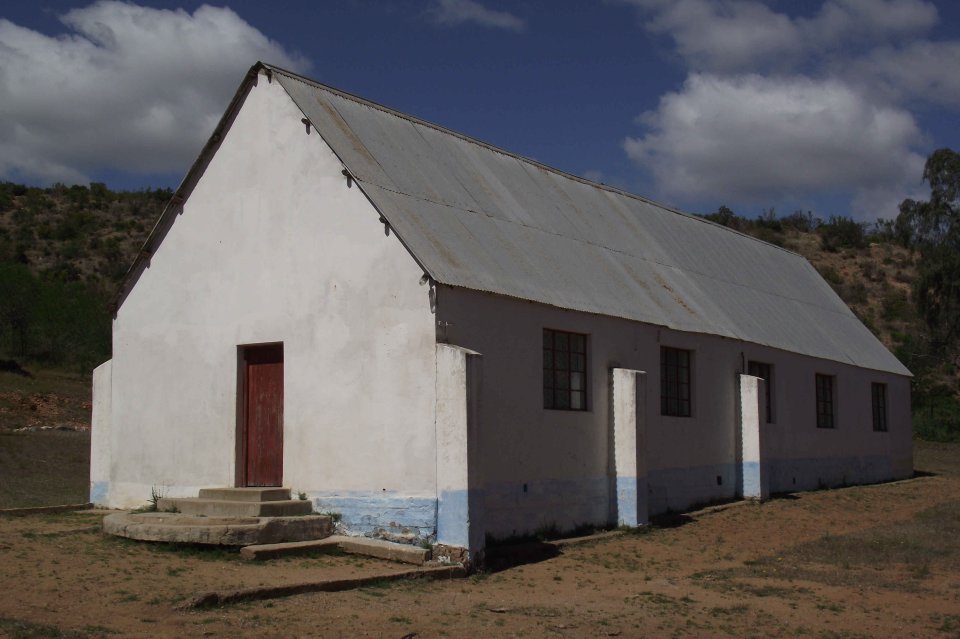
x=435, y=337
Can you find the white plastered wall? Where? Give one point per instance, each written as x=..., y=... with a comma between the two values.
x=546, y=467
x=272, y=246
x=100, y=434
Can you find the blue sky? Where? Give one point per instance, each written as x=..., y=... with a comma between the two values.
x=829, y=106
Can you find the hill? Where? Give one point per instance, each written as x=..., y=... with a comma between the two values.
x=64, y=251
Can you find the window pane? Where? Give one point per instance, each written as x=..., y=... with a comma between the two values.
x=675, y=389
x=578, y=362
x=576, y=381
x=576, y=400
x=564, y=370
x=825, y=407
x=561, y=341
x=577, y=343
x=879, y=400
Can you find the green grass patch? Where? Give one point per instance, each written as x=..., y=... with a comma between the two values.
x=937, y=419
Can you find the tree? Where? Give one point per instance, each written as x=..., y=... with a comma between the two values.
x=18, y=289
x=933, y=229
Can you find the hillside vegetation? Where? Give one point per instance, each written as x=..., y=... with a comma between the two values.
x=64, y=251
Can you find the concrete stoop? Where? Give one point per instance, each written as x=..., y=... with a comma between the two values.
x=221, y=531
x=238, y=502
x=225, y=517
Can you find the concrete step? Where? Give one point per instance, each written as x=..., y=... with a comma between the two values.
x=384, y=549
x=231, y=508
x=246, y=494
x=356, y=545
x=284, y=549
x=223, y=531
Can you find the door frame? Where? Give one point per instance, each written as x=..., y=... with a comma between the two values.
x=240, y=436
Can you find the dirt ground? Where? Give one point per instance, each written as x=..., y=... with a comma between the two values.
x=872, y=561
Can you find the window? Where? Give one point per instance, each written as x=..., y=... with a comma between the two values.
x=825, y=403
x=764, y=371
x=879, y=393
x=674, y=382
x=564, y=370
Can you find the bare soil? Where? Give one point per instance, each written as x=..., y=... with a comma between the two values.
x=870, y=561
x=49, y=399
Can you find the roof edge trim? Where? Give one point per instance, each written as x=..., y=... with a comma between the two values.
x=183, y=191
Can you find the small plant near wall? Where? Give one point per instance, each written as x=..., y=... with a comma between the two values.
x=156, y=494
x=153, y=502
x=302, y=495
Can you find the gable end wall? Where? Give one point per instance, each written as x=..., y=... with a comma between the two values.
x=272, y=246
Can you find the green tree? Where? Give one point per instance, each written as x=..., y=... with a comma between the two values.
x=18, y=290
x=841, y=232
x=932, y=227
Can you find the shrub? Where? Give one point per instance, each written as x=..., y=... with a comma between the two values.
x=726, y=217
x=841, y=232
x=831, y=275
x=894, y=306
x=936, y=418
x=799, y=221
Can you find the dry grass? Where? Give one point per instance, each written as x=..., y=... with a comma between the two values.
x=873, y=558
x=44, y=468
x=49, y=398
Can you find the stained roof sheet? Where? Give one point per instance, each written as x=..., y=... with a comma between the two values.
x=478, y=217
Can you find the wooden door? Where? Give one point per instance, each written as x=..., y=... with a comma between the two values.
x=262, y=423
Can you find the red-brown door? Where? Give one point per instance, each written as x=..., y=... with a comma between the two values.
x=262, y=436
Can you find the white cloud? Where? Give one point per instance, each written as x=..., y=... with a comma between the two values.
x=785, y=107
x=763, y=139
x=746, y=35
x=727, y=35
x=130, y=88
x=457, y=12
x=868, y=19
x=918, y=71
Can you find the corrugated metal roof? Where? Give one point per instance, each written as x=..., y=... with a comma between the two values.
x=478, y=217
